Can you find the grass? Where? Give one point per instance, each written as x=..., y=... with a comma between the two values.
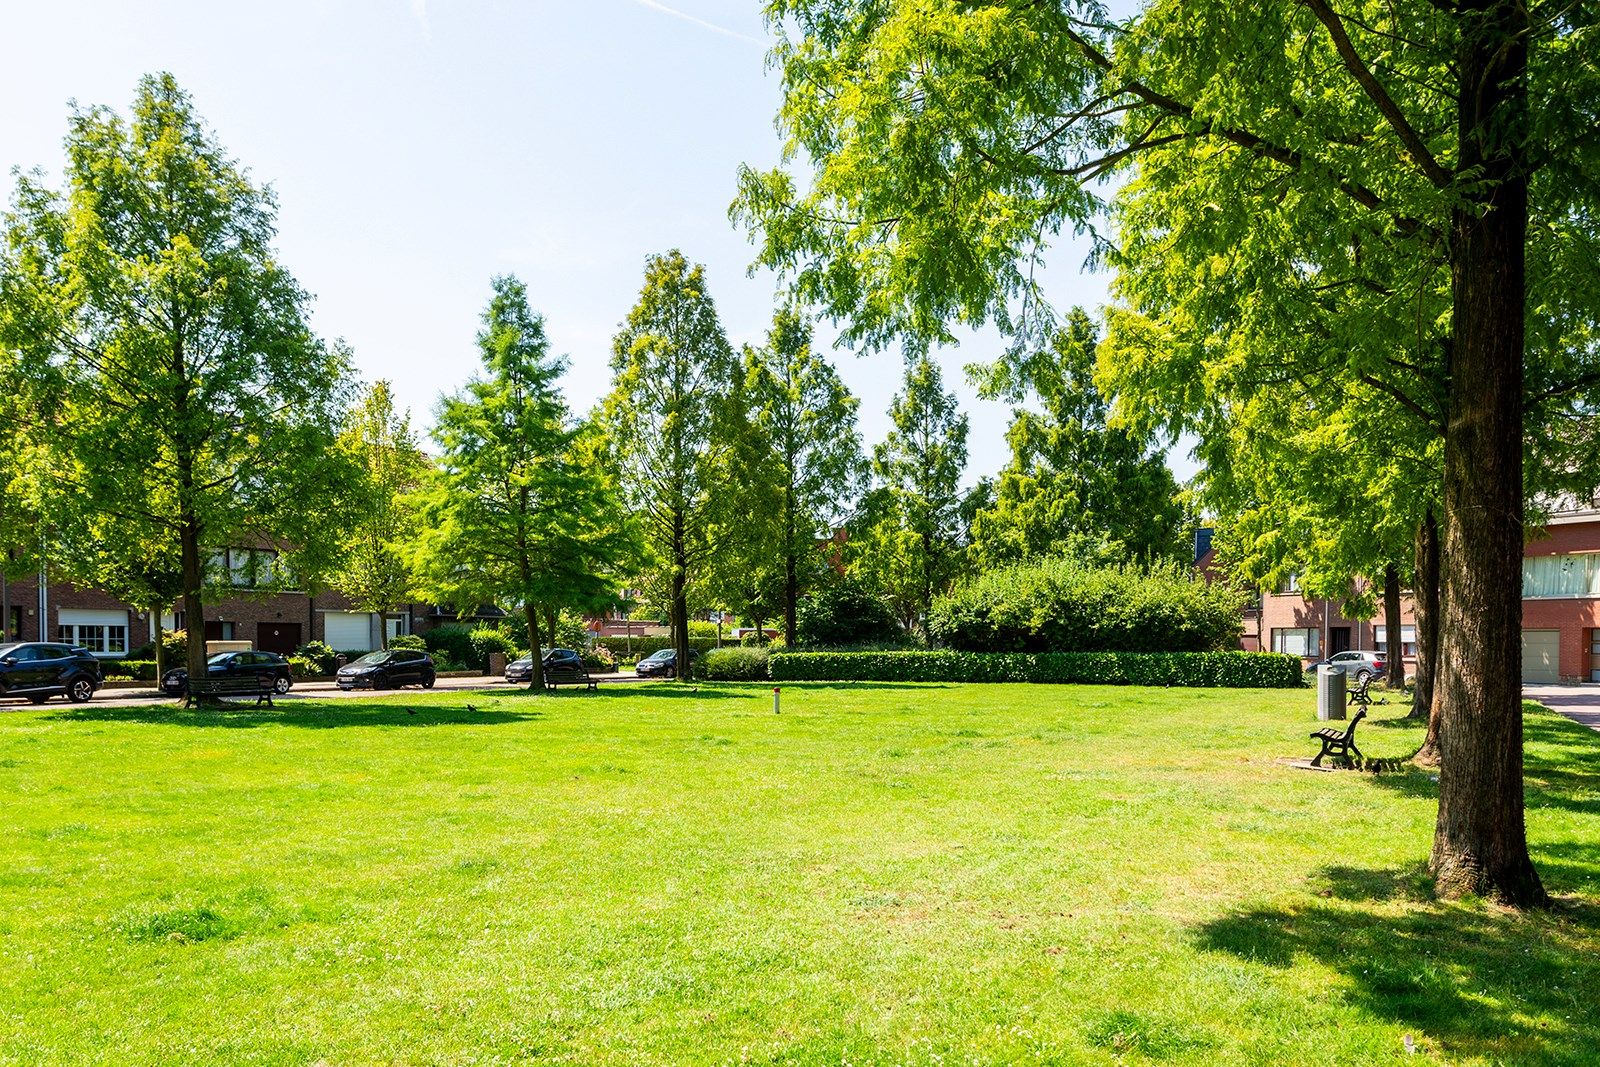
x=882, y=874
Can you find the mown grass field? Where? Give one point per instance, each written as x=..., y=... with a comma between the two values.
x=912, y=874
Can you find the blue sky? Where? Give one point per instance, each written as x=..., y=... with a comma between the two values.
x=420, y=146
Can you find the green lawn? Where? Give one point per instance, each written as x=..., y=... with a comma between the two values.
x=883, y=874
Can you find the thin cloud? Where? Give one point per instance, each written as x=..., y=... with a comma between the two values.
x=702, y=23
x=419, y=11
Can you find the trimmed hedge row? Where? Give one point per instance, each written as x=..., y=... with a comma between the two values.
x=734, y=664
x=1234, y=670
x=643, y=646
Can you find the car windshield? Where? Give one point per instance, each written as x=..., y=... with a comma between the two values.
x=6, y=650
x=525, y=661
x=219, y=657
x=374, y=657
x=665, y=653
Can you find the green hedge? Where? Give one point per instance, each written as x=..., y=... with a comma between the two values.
x=1238, y=670
x=735, y=665
x=139, y=670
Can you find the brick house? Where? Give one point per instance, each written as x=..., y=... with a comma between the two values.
x=271, y=621
x=1560, y=609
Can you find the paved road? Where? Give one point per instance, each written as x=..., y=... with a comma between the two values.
x=130, y=698
x=1580, y=703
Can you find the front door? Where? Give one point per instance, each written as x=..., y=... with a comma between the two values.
x=280, y=637
x=1339, y=640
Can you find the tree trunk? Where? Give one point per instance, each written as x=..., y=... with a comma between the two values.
x=194, y=609
x=1480, y=841
x=536, y=680
x=1395, y=656
x=679, y=609
x=791, y=572
x=1424, y=694
x=161, y=656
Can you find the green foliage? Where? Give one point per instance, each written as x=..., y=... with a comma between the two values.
x=139, y=670
x=385, y=464
x=846, y=612
x=517, y=513
x=413, y=642
x=670, y=424
x=177, y=399
x=1247, y=670
x=486, y=641
x=643, y=646
x=302, y=668
x=735, y=665
x=1072, y=478
x=174, y=647
x=319, y=653
x=451, y=641
x=1064, y=604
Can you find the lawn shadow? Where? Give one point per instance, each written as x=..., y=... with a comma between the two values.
x=1463, y=975
x=865, y=686
x=674, y=691
x=331, y=715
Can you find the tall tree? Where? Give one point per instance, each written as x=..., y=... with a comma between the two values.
x=166, y=350
x=1072, y=476
x=386, y=466
x=920, y=463
x=669, y=422
x=805, y=420
x=516, y=513
x=948, y=141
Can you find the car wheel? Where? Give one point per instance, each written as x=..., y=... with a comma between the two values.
x=1363, y=676
x=427, y=681
x=80, y=690
x=380, y=681
x=281, y=684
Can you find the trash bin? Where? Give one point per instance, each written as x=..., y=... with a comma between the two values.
x=1330, y=693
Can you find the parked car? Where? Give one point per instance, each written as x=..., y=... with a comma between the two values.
x=388, y=670
x=1358, y=665
x=234, y=665
x=661, y=664
x=522, y=670
x=37, y=671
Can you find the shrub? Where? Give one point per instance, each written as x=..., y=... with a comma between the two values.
x=411, y=642
x=735, y=664
x=301, y=668
x=138, y=670
x=599, y=658
x=643, y=646
x=845, y=613
x=486, y=641
x=1236, y=670
x=174, y=646
x=451, y=641
x=1064, y=604
x=319, y=653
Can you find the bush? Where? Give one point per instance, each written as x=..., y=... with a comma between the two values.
x=319, y=653
x=845, y=613
x=643, y=646
x=1235, y=670
x=1064, y=604
x=411, y=642
x=301, y=668
x=485, y=641
x=138, y=670
x=451, y=642
x=174, y=647
x=599, y=658
x=735, y=664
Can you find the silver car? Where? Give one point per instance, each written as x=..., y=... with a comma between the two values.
x=1358, y=665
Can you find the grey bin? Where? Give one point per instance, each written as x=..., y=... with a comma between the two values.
x=1330, y=693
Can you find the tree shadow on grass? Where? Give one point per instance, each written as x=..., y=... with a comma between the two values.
x=331, y=715
x=862, y=687
x=1507, y=988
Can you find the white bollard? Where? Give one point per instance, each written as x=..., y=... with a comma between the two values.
x=775, y=709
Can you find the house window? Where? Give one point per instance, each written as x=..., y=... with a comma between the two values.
x=1289, y=585
x=105, y=633
x=1574, y=574
x=1303, y=642
x=1408, y=639
x=245, y=568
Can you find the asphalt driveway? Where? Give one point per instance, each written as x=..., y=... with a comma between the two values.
x=1580, y=703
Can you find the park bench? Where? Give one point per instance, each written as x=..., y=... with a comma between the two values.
x=568, y=675
x=1339, y=743
x=259, y=686
x=1361, y=694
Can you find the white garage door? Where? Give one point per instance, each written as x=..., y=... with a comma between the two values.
x=1541, y=655
x=348, y=631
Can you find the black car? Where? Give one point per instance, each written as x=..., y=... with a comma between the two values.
x=522, y=670
x=37, y=671
x=661, y=664
x=233, y=665
x=387, y=670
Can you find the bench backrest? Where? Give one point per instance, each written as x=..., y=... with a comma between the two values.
x=579, y=673
x=1350, y=731
x=235, y=683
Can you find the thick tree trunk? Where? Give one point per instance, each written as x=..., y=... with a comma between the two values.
x=1424, y=694
x=1395, y=656
x=194, y=609
x=791, y=571
x=531, y=615
x=679, y=609
x=1480, y=841
x=161, y=656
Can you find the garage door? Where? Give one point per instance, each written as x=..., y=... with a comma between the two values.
x=1541, y=651
x=348, y=631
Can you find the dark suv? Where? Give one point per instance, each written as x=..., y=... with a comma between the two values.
x=387, y=670
x=234, y=665
x=38, y=671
